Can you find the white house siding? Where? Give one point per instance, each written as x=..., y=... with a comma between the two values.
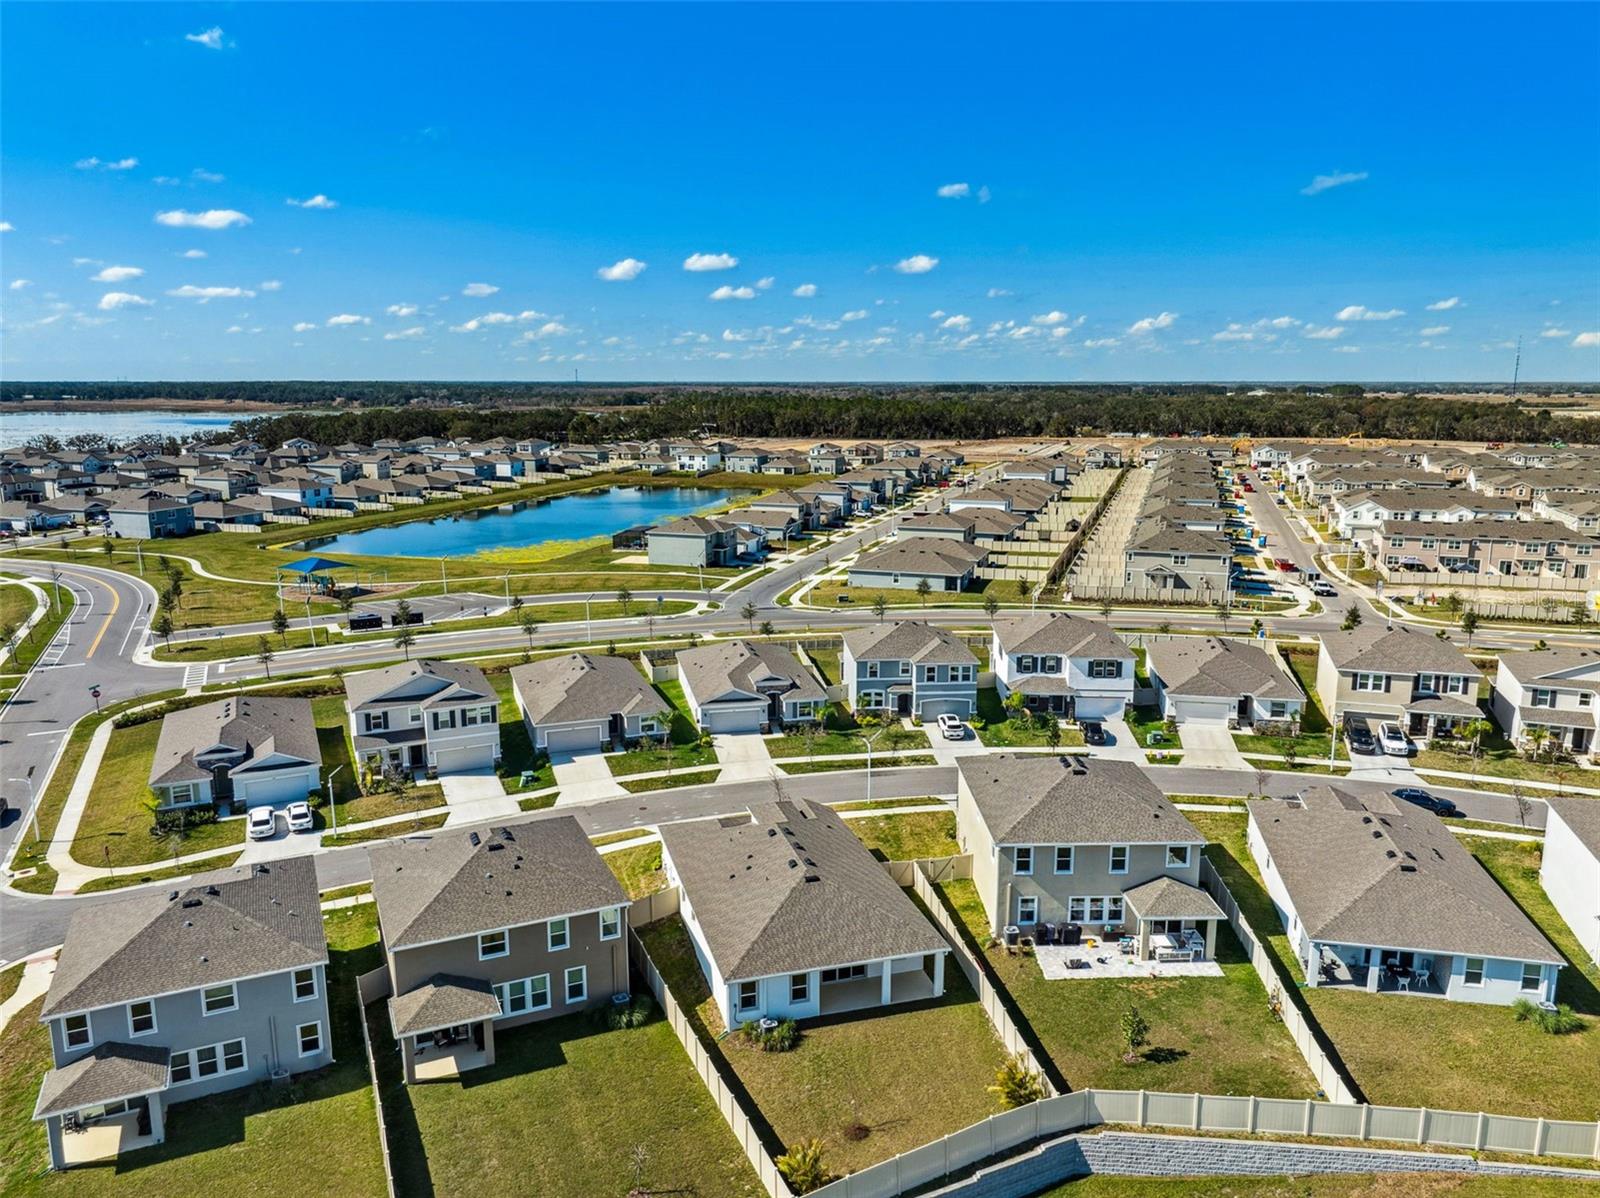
x=274, y=786
x=906, y=582
x=1571, y=877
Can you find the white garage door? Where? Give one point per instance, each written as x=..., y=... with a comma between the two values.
x=732, y=719
x=266, y=790
x=1203, y=711
x=459, y=761
x=568, y=739
x=1096, y=707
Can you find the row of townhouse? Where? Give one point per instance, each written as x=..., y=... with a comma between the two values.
x=1178, y=548
x=1532, y=551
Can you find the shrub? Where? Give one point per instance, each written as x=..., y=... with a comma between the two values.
x=636, y=1013
x=182, y=820
x=1015, y=1084
x=803, y=1167
x=782, y=1038
x=1559, y=1022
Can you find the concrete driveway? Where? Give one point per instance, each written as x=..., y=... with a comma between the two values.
x=1210, y=747
x=476, y=795
x=743, y=755
x=583, y=777
x=1122, y=744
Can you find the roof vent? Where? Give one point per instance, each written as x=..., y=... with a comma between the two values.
x=772, y=831
x=812, y=876
x=495, y=846
x=1390, y=854
x=793, y=864
x=172, y=895
x=213, y=891
x=474, y=839
x=1407, y=868
x=190, y=902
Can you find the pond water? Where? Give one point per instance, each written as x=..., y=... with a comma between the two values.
x=572, y=517
x=118, y=424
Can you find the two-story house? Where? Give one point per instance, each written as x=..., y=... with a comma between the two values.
x=909, y=668
x=1400, y=675
x=748, y=686
x=486, y=931
x=1090, y=843
x=1374, y=894
x=792, y=918
x=693, y=541
x=1569, y=869
x=442, y=715
x=1063, y=663
x=1552, y=690
x=164, y=998
x=1184, y=565
x=243, y=751
x=143, y=516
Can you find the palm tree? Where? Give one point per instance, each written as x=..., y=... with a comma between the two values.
x=529, y=627
x=748, y=613
x=879, y=606
x=625, y=597
x=264, y=654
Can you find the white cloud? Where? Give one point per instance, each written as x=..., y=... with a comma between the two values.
x=699, y=262
x=552, y=328
x=272, y=285
x=305, y=326
x=204, y=176
x=1100, y=342
x=234, y=328
x=345, y=318
x=211, y=38
x=1326, y=182
x=118, y=274
x=7, y=227
x=1586, y=341
x=1052, y=317
x=498, y=318
x=1234, y=332
x=19, y=284
x=112, y=300
x=1328, y=333
x=857, y=314
x=317, y=201
x=1445, y=305
x=984, y=194
x=166, y=181
x=765, y=283
x=1357, y=312
x=96, y=164
x=410, y=334
x=212, y=218
x=205, y=294
x=739, y=293
x=1279, y=322
x=997, y=293
x=624, y=271
x=401, y=309
x=530, y=314
x=805, y=290
x=1347, y=349
x=1438, y=330
x=479, y=290
x=957, y=321
x=730, y=335
x=1554, y=331
x=192, y=254
x=917, y=264
x=467, y=326
x=954, y=191
x=1151, y=323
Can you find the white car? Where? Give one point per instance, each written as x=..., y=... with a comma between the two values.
x=299, y=817
x=1325, y=589
x=1393, y=741
x=951, y=727
x=261, y=823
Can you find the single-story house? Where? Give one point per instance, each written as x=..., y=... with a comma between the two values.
x=1212, y=680
x=587, y=701
x=748, y=686
x=243, y=751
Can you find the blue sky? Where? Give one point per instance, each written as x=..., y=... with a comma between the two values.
x=1129, y=192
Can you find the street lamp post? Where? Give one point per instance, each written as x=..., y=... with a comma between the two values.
x=33, y=806
x=868, y=741
x=333, y=816
x=310, y=627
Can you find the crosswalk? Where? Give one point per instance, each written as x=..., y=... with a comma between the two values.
x=194, y=676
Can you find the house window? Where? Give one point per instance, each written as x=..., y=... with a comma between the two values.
x=215, y=1059
x=75, y=1031
x=1532, y=975
x=305, y=984
x=1473, y=974
x=800, y=988
x=443, y=719
x=539, y=992
x=560, y=934
x=1064, y=859
x=377, y=721
x=1114, y=909
x=844, y=973
x=1542, y=697
x=141, y=1018
x=1024, y=859
x=310, y=1037
x=577, y=983
x=182, y=793
x=1119, y=859
x=214, y=1000
x=1050, y=665
x=1105, y=669
x=1585, y=699
x=180, y=1068
x=493, y=944
x=1178, y=856
x=1368, y=682
x=1025, y=665
x=1028, y=909
x=415, y=715
x=611, y=923
x=473, y=716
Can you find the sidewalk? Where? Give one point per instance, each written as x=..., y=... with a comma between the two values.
x=70, y=873
x=36, y=975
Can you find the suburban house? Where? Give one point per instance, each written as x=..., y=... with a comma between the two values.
x=909, y=668
x=163, y=998
x=693, y=541
x=240, y=752
x=1185, y=565
x=442, y=715
x=905, y=562
x=1063, y=663
x=1539, y=552
x=1403, y=675
x=792, y=918
x=141, y=516
x=1086, y=842
x=587, y=701
x=1548, y=695
x=1570, y=871
x=748, y=686
x=485, y=931
x=1212, y=680
x=1378, y=894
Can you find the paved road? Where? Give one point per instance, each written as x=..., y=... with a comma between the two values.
x=1268, y=517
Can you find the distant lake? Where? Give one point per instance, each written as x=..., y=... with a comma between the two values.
x=573, y=517
x=116, y=423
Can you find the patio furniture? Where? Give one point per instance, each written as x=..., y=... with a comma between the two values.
x=1046, y=934
x=1127, y=946
x=1070, y=933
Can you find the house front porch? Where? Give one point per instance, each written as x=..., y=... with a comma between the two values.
x=450, y=1052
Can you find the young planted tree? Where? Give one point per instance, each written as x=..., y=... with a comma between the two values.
x=766, y=628
x=1135, y=1034
x=625, y=597
x=529, y=627
x=879, y=606
x=280, y=625
x=1352, y=618
x=1469, y=624
x=924, y=589
x=990, y=604
x=264, y=654
x=748, y=614
x=1015, y=1085
x=404, y=638
x=162, y=626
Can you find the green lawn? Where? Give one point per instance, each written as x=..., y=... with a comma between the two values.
x=692, y=778
x=1002, y=731
x=1143, y=721
x=322, y=1128
x=638, y=869
x=825, y=743
x=16, y=604
x=1499, y=760
x=652, y=755
x=827, y=594
x=350, y=806
x=1212, y=1035
x=908, y=836
x=140, y=877
x=41, y=634
x=405, y=827
x=566, y=1110
x=10, y=979
x=827, y=661
x=855, y=763
x=517, y=755
x=868, y=1073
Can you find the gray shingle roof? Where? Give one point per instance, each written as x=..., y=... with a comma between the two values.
x=111, y=1072
x=1536, y=665
x=454, y=884
x=1556, y=717
x=792, y=890
x=450, y=682
x=712, y=671
x=941, y=557
x=254, y=725
x=908, y=640
x=226, y=925
x=1168, y=898
x=1582, y=816
x=1400, y=650
x=1060, y=633
x=444, y=1000
x=1213, y=666
x=1033, y=799
x=583, y=686
x=1375, y=871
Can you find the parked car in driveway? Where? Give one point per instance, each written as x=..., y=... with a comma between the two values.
x=1094, y=733
x=299, y=817
x=1392, y=738
x=951, y=727
x=261, y=823
x=1358, y=736
x=1422, y=798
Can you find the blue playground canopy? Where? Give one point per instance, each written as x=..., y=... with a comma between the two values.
x=313, y=565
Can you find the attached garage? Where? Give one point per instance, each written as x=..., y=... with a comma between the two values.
x=273, y=787
x=574, y=739
x=1198, y=709
x=1097, y=707
x=744, y=718
x=464, y=760
x=932, y=709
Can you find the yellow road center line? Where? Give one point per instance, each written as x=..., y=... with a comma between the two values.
x=116, y=601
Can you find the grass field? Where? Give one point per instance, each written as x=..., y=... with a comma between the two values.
x=1000, y=730
x=638, y=869
x=1387, y=1185
x=38, y=638
x=907, y=836
x=691, y=778
x=141, y=876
